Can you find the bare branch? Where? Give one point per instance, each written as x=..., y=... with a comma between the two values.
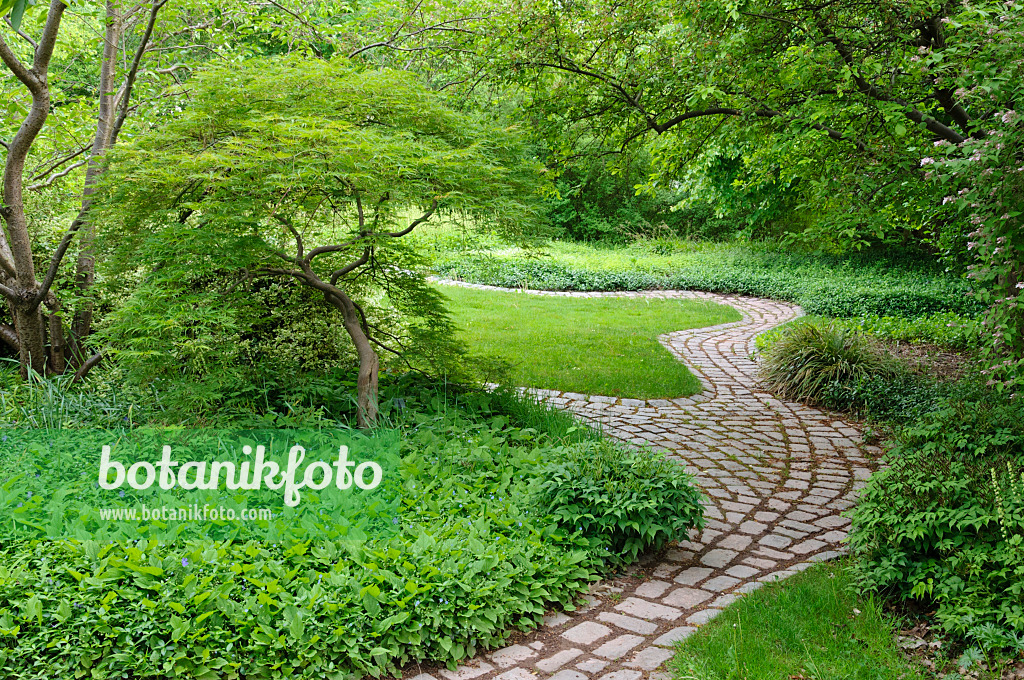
x=30, y=41
x=415, y=223
x=87, y=366
x=129, y=81
x=868, y=89
x=56, y=164
x=301, y=20
x=172, y=69
x=298, y=237
x=53, y=178
x=20, y=71
x=48, y=39
x=441, y=26
x=351, y=266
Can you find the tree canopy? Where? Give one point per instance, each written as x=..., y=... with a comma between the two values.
x=310, y=171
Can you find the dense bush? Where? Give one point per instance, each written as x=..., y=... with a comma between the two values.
x=596, y=202
x=822, y=286
x=476, y=558
x=944, y=524
x=944, y=328
x=809, y=359
x=901, y=398
x=628, y=503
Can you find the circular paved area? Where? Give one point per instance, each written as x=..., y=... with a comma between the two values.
x=776, y=474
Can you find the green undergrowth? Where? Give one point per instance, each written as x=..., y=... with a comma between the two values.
x=943, y=524
x=846, y=286
x=811, y=625
x=493, y=533
x=603, y=346
x=884, y=390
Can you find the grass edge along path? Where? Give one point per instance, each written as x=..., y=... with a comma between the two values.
x=587, y=345
x=811, y=625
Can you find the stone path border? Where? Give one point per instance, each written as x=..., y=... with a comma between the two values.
x=777, y=474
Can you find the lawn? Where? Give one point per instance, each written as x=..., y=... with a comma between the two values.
x=812, y=625
x=603, y=346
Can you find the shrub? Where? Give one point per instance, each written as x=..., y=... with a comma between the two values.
x=901, y=398
x=810, y=358
x=626, y=504
x=944, y=524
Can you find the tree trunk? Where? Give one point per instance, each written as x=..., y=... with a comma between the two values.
x=85, y=272
x=367, y=382
x=16, y=251
x=58, y=362
x=31, y=330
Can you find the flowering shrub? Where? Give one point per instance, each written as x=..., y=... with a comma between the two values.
x=985, y=176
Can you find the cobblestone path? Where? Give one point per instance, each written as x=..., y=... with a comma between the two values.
x=777, y=475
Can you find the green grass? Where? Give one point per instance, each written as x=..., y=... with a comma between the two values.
x=603, y=346
x=811, y=626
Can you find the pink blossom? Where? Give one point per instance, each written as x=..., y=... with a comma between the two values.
x=927, y=161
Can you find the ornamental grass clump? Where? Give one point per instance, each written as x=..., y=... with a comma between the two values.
x=810, y=358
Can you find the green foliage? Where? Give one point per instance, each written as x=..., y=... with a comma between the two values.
x=984, y=180
x=847, y=286
x=307, y=171
x=902, y=397
x=595, y=201
x=810, y=358
x=475, y=558
x=812, y=625
x=946, y=329
x=628, y=504
x=944, y=523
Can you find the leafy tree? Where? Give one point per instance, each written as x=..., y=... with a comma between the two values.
x=83, y=134
x=841, y=95
x=309, y=170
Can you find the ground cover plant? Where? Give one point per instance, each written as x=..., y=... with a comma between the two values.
x=812, y=625
x=605, y=346
x=492, y=535
x=836, y=286
x=944, y=524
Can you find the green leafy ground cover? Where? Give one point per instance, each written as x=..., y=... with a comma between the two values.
x=811, y=625
x=492, y=534
x=592, y=346
x=837, y=286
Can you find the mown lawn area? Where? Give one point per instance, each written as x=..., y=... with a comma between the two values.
x=603, y=346
x=810, y=626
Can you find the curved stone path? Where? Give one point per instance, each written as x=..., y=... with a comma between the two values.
x=777, y=475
